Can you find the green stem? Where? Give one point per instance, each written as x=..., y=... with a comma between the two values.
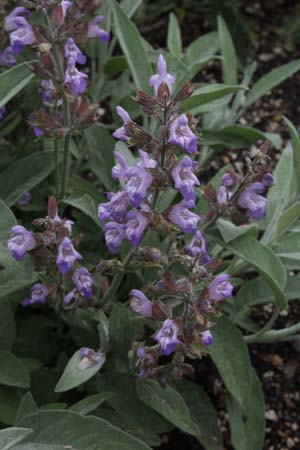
x=108, y=297
x=274, y=335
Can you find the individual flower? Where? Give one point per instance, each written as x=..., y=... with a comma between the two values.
x=197, y=246
x=89, y=358
x=75, y=78
x=66, y=256
x=9, y=23
x=7, y=57
x=22, y=35
x=65, y=5
x=268, y=180
x=135, y=227
x=167, y=337
x=119, y=170
x=123, y=133
x=83, y=281
x=181, y=216
x=39, y=293
x=72, y=51
x=46, y=90
x=184, y=178
x=251, y=200
x=207, y=338
x=72, y=295
x=162, y=76
x=20, y=242
x=222, y=195
x=25, y=199
x=145, y=161
x=115, y=209
x=114, y=234
x=94, y=31
x=139, y=180
x=227, y=180
x=220, y=288
x=146, y=359
x=140, y=303
x=2, y=113
x=180, y=134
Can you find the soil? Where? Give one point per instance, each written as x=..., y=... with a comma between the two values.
x=277, y=365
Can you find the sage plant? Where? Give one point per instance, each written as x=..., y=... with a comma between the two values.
x=185, y=299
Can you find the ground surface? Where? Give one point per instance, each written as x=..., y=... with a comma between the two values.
x=278, y=365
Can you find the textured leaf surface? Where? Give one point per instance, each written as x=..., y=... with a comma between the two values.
x=230, y=354
x=12, y=371
x=81, y=433
x=74, y=375
x=247, y=424
x=11, y=436
x=169, y=403
x=12, y=81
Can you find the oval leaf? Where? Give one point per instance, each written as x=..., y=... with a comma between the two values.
x=73, y=430
x=12, y=81
x=247, y=424
x=74, y=374
x=169, y=403
x=12, y=371
x=132, y=46
x=11, y=437
x=230, y=354
x=25, y=174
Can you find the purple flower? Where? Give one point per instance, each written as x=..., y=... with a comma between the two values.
x=220, y=288
x=119, y=171
x=114, y=233
x=268, y=180
x=167, y=337
x=9, y=24
x=66, y=256
x=146, y=359
x=251, y=200
x=115, y=209
x=46, y=90
x=181, y=216
x=21, y=242
x=83, y=282
x=197, y=246
x=65, y=5
x=227, y=180
x=207, y=338
x=146, y=162
x=39, y=293
x=162, y=76
x=72, y=51
x=2, y=113
x=222, y=195
x=38, y=132
x=139, y=180
x=22, y=35
x=140, y=303
x=89, y=358
x=72, y=295
x=25, y=199
x=95, y=31
x=122, y=133
x=7, y=57
x=184, y=178
x=182, y=135
x=75, y=78
x=135, y=227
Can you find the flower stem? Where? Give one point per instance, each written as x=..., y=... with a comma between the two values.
x=274, y=335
